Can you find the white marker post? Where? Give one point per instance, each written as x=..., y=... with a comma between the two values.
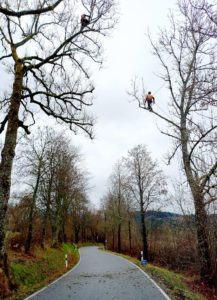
x=143, y=261
x=66, y=261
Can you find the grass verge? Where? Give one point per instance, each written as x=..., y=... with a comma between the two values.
x=175, y=285
x=31, y=273
x=88, y=244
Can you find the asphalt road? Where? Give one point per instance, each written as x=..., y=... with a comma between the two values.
x=102, y=276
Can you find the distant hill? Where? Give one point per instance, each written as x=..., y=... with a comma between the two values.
x=157, y=218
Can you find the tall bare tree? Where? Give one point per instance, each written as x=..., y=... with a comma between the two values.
x=33, y=166
x=116, y=201
x=114, y=206
x=187, y=53
x=77, y=207
x=46, y=188
x=145, y=182
x=66, y=180
x=117, y=191
x=48, y=54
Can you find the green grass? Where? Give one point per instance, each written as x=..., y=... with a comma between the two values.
x=175, y=285
x=33, y=273
x=87, y=244
x=28, y=274
x=70, y=249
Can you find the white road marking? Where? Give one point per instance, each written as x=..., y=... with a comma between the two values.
x=156, y=285
x=75, y=267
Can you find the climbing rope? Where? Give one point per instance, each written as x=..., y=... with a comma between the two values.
x=160, y=88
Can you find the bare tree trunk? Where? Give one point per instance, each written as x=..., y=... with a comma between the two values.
x=55, y=236
x=31, y=213
x=200, y=213
x=53, y=230
x=105, y=230
x=130, y=236
x=119, y=237
x=64, y=233
x=57, y=222
x=76, y=232
x=43, y=232
x=82, y=234
x=202, y=236
x=63, y=225
x=119, y=213
x=144, y=235
x=47, y=213
x=113, y=239
x=7, y=156
x=30, y=229
x=60, y=236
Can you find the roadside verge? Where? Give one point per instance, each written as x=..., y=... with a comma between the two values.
x=174, y=285
x=33, y=273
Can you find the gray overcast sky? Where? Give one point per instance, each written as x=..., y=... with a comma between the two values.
x=121, y=125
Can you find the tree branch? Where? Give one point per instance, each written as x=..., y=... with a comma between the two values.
x=200, y=139
x=19, y=14
x=208, y=175
x=25, y=127
x=3, y=123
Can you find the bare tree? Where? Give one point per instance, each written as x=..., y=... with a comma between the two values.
x=78, y=205
x=111, y=221
x=33, y=166
x=130, y=216
x=114, y=207
x=48, y=54
x=116, y=199
x=188, y=58
x=46, y=187
x=145, y=182
x=66, y=179
x=50, y=166
x=117, y=183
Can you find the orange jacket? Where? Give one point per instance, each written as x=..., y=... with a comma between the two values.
x=149, y=97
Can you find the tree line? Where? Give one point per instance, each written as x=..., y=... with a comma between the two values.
x=136, y=184
x=54, y=207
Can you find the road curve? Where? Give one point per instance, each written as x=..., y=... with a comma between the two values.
x=102, y=276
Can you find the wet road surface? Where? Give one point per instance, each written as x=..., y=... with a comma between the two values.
x=102, y=276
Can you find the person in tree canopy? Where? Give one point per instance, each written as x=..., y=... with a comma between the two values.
x=149, y=98
x=85, y=20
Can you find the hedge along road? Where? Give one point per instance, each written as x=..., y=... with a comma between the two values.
x=102, y=276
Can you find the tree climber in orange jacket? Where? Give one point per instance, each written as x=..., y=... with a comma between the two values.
x=149, y=99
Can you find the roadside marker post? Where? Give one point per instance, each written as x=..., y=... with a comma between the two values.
x=66, y=261
x=143, y=261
